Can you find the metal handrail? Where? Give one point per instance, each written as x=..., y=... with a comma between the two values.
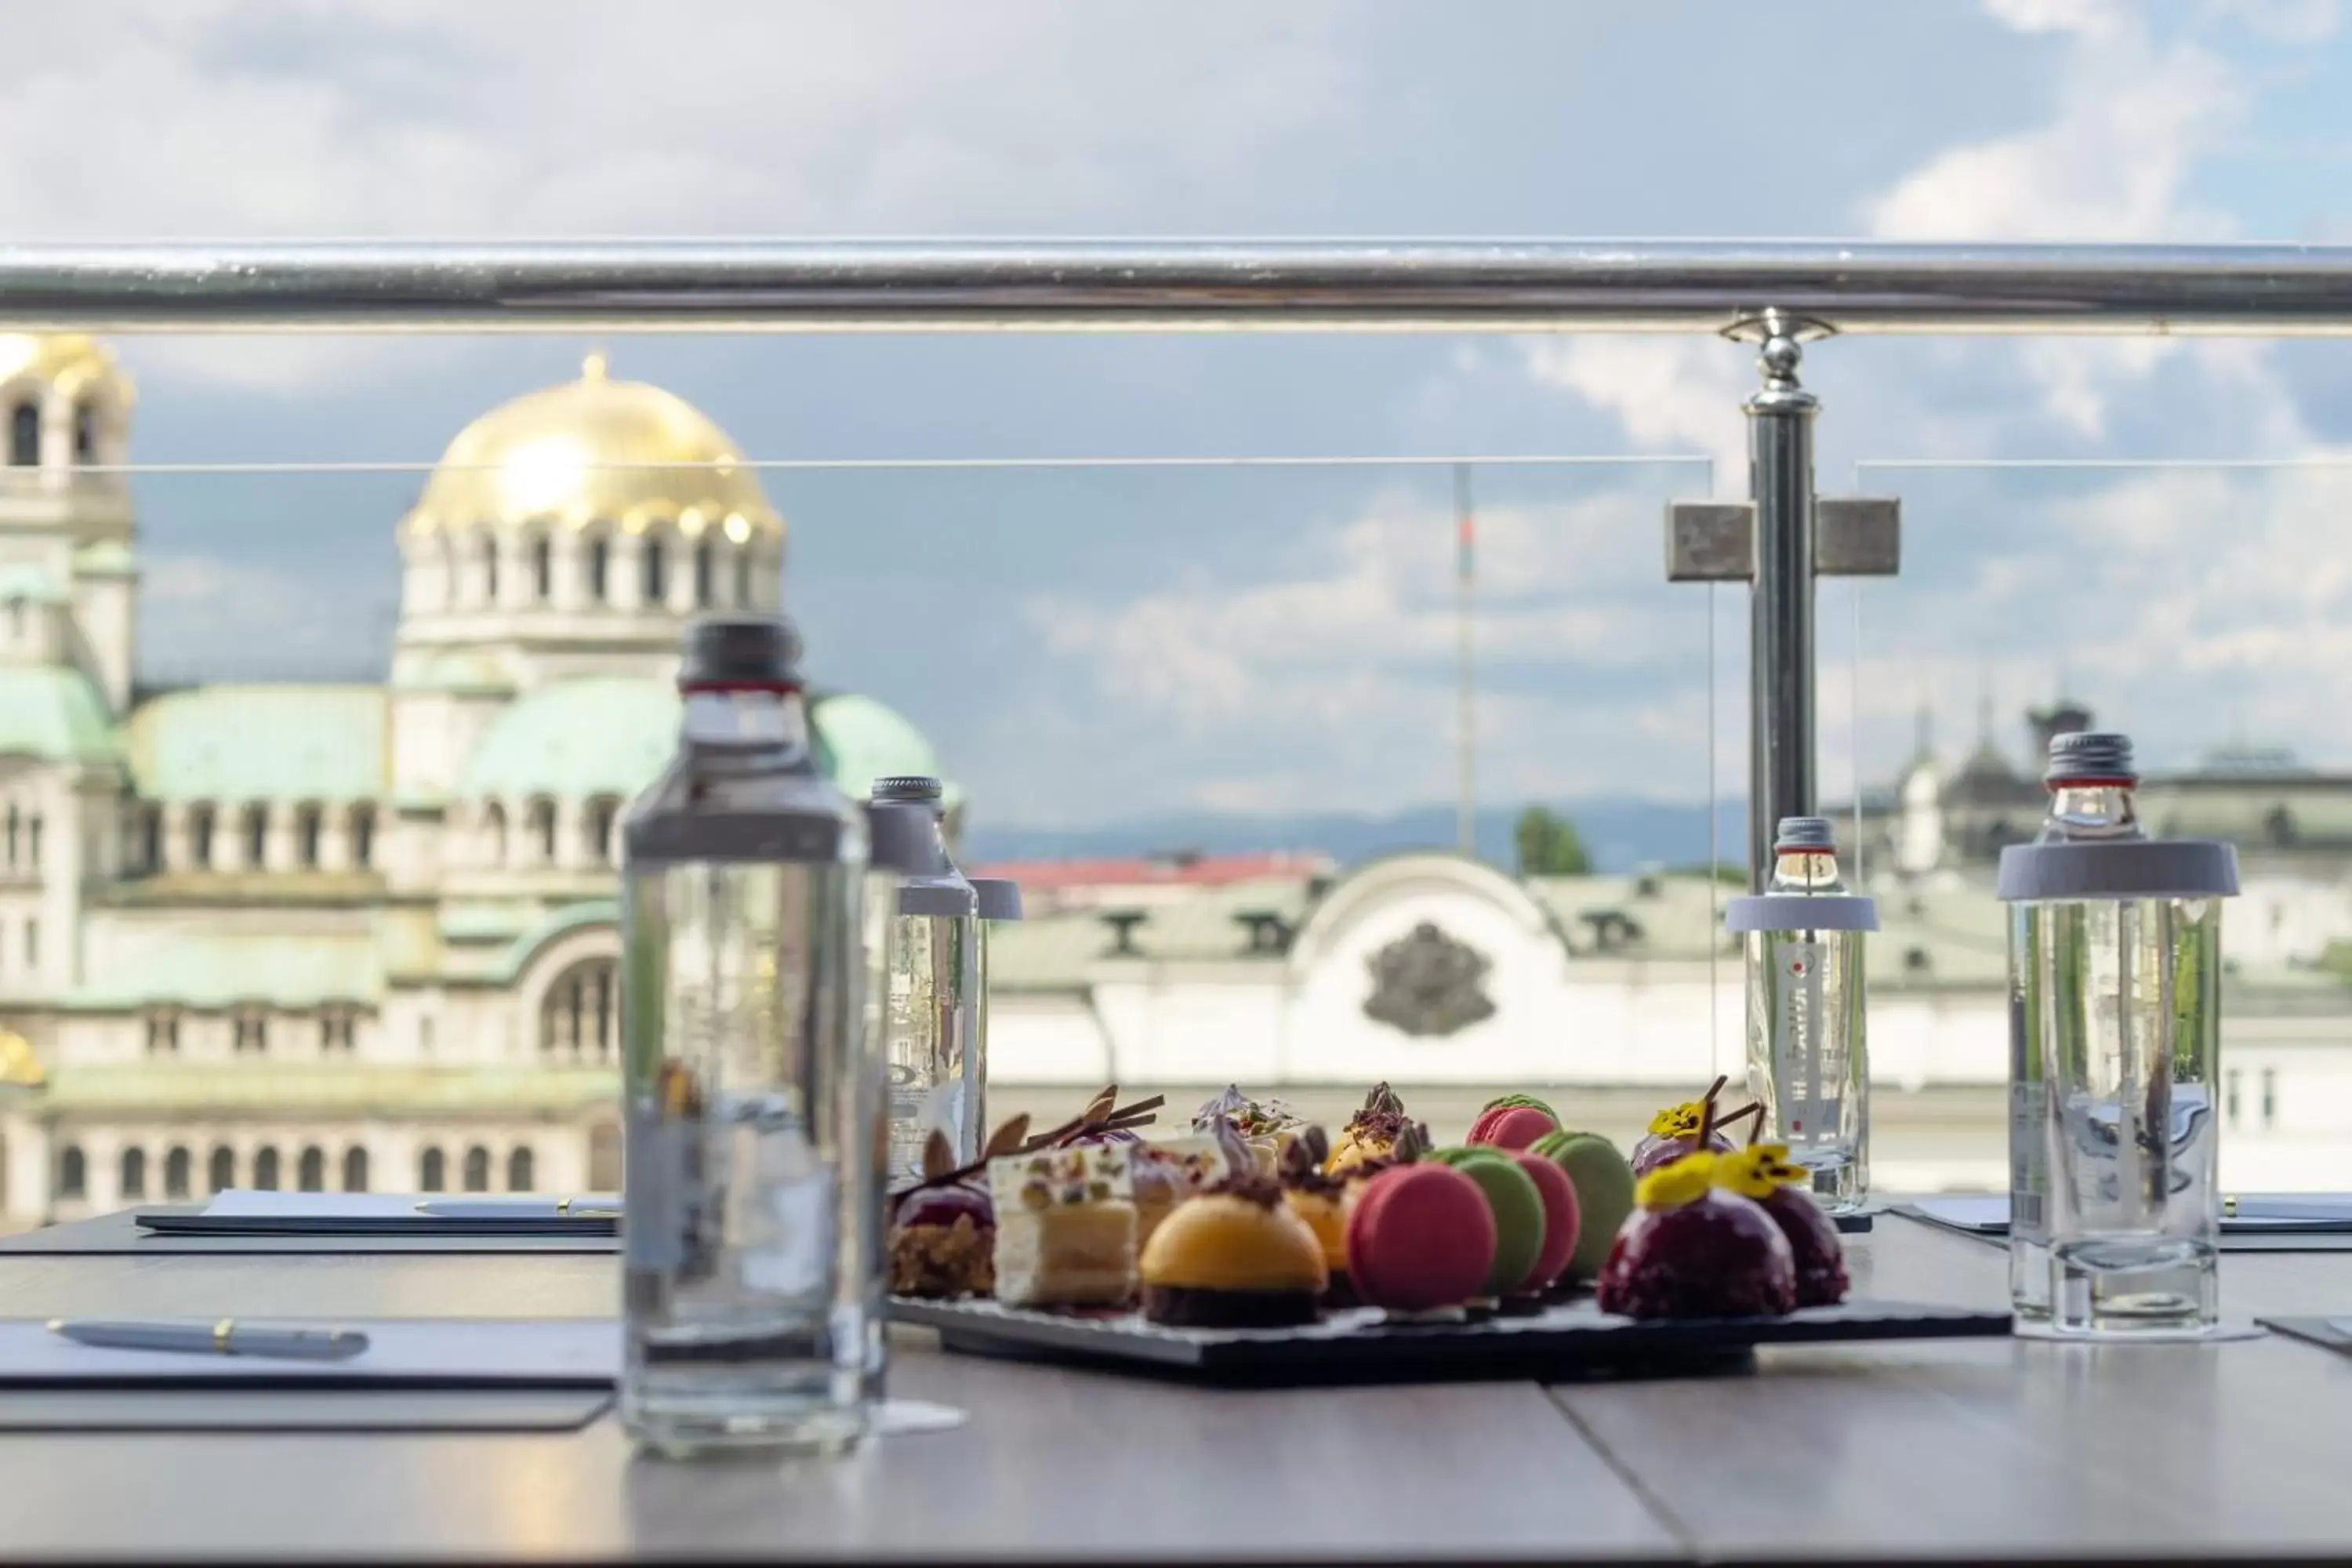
x=1369, y=285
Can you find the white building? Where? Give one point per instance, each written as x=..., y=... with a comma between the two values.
x=344, y=936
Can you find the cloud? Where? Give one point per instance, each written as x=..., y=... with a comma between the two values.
x=206, y=610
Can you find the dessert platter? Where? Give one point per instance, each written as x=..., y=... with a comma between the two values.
x=1256, y=1249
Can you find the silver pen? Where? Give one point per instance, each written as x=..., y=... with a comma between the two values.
x=223, y=1338
x=520, y=1208
x=2314, y=1210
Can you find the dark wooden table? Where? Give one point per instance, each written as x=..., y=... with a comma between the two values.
x=1950, y=1451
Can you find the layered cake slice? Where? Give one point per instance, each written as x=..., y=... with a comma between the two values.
x=1065, y=1226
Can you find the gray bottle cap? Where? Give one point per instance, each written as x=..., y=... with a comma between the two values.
x=2090, y=754
x=908, y=787
x=906, y=837
x=1800, y=912
x=1804, y=833
x=2122, y=869
x=740, y=651
x=1000, y=898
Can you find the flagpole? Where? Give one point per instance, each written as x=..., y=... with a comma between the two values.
x=1465, y=825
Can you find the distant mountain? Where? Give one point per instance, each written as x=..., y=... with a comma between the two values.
x=1621, y=833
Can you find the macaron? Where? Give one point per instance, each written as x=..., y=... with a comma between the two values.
x=1513, y=1123
x=1604, y=1194
x=1562, y=1220
x=1519, y=1212
x=1420, y=1236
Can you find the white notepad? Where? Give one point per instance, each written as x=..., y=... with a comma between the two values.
x=448, y=1352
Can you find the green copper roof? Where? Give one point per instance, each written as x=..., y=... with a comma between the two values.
x=327, y=1086
x=858, y=740
x=217, y=971
x=53, y=714
x=21, y=581
x=588, y=736
x=106, y=558
x=231, y=744
x=570, y=918
x=611, y=734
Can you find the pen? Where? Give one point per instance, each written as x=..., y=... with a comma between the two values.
x=558, y=1208
x=2312, y=1210
x=223, y=1338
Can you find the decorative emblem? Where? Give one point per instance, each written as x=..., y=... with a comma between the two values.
x=1428, y=984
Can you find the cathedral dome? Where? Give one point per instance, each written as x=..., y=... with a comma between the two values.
x=595, y=450
x=70, y=361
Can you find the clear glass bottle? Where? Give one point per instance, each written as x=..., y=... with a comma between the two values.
x=1808, y=1056
x=752, y=1266
x=1000, y=902
x=2116, y=974
x=930, y=1015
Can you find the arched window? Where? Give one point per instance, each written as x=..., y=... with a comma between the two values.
x=33, y=840
x=478, y=1169
x=602, y=813
x=257, y=835
x=362, y=830
x=200, y=837
x=653, y=573
x=742, y=578
x=600, y=569
x=25, y=436
x=311, y=1170
x=542, y=831
x=85, y=427
x=73, y=1173
x=489, y=567
x=151, y=837
x=706, y=565
x=432, y=1171
x=307, y=823
x=356, y=1171
x=519, y=1172
x=221, y=1169
x=448, y=556
x=265, y=1168
x=577, y=1020
x=605, y=1157
x=16, y=832
x=494, y=832
x=134, y=1172
x=543, y=569
x=176, y=1171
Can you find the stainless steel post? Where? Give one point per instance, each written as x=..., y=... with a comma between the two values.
x=1780, y=601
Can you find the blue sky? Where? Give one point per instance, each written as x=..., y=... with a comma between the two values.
x=1089, y=646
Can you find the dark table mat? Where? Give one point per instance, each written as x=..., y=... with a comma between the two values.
x=301, y=1410
x=2321, y=1332
x=119, y=1233
x=2231, y=1241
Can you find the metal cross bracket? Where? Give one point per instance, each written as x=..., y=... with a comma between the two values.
x=1715, y=541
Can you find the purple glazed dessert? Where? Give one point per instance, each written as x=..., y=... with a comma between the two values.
x=1762, y=1174
x=1687, y=1128
x=1692, y=1250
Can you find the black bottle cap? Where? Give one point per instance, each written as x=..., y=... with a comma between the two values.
x=724, y=652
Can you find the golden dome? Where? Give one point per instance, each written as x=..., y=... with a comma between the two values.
x=63, y=360
x=594, y=449
x=19, y=1068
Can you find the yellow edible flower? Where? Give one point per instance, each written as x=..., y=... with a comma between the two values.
x=1757, y=1171
x=1671, y=1186
x=1679, y=1120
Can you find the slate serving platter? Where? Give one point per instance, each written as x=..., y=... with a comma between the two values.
x=1572, y=1339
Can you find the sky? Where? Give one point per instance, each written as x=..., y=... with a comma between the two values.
x=1090, y=645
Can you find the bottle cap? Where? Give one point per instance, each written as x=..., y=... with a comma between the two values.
x=2088, y=756
x=748, y=652
x=912, y=788
x=1000, y=898
x=1804, y=833
x=906, y=839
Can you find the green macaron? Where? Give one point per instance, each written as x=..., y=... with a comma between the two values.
x=1516, y=1205
x=1529, y=1100
x=1604, y=1194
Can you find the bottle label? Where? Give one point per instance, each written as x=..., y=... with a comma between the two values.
x=2028, y=1109
x=1808, y=1096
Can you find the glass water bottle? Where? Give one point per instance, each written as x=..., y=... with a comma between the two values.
x=930, y=1016
x=2116, y=1011
x=1000, y=902
x=1808, y=1060
x=751, y=1252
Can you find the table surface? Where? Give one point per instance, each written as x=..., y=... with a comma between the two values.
x=1940, y=1450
